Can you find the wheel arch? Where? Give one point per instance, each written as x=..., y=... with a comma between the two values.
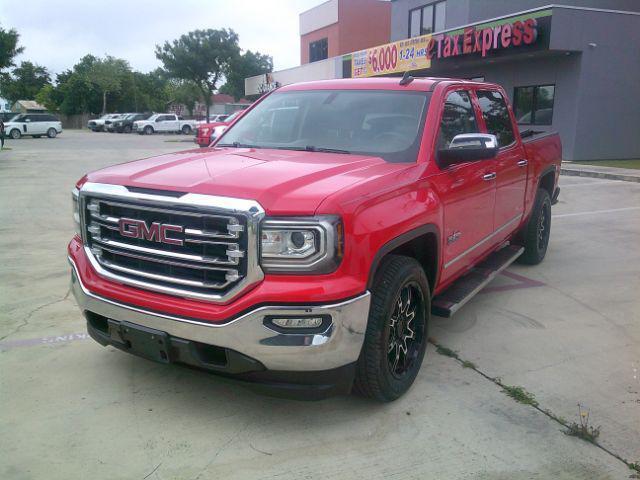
x=422, y=243
x=548, y=180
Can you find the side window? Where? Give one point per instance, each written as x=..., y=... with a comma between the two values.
x=496, y=116
x=457, y=117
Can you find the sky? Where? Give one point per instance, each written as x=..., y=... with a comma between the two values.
x=56, y=35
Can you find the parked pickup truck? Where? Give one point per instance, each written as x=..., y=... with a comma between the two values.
x=206, y=133
x=307, y=250
x=164, y=122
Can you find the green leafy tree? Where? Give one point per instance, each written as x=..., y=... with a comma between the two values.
x=203, y=57
x=9, y=48
x=184, y=92
x=24, y=82
x=247, y=65
x=106, y=74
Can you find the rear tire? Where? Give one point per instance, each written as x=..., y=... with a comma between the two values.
x=186, y=130
x=52, y=133
x=127, y=129
x=535, y=235
x=396, y=337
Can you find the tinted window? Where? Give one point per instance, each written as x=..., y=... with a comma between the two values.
x=319, y=50
x=534, y=105
x=496, y=116
x=458, y=117
x=387, y=124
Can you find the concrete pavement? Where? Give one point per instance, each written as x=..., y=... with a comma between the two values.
x=567, y=331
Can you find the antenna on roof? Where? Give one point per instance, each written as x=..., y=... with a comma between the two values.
x=406, y=79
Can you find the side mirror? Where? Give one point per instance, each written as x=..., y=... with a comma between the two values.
x=468, y=147
x=27, y=120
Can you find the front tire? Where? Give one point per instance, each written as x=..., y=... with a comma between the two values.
x=148, y=130
x=396, y=337
x=52, y=133
x=536, y=234
x=127, y=129
x=15, y=134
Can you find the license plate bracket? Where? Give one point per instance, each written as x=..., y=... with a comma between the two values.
x=146, y=342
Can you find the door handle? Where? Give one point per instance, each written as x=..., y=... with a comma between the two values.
x=489, y=176
x=523, y=163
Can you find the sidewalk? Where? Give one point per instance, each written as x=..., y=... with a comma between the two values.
x=594, y=171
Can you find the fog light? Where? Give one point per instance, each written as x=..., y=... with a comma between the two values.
x=298, y=323
x=309, y=322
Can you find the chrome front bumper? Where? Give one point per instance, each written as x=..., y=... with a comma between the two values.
x=339, y=345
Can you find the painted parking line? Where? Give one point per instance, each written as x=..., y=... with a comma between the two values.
x=595, y=212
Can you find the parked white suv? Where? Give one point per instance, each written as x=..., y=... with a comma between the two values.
x=34, y=124
x=164, y=122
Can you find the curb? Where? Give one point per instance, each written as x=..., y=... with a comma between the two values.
x=592, y=174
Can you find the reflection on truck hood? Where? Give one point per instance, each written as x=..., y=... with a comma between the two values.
x=283, y=181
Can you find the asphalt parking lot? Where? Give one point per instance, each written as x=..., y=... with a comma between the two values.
x=568, y=331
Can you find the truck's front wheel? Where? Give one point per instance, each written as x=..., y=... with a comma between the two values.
x=396, y=337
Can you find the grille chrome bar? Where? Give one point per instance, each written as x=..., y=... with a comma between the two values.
x=215, y=260
x=164, y=253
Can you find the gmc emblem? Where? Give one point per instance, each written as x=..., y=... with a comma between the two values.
x=157, y=232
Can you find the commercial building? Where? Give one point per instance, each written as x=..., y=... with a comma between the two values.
x=572, y=68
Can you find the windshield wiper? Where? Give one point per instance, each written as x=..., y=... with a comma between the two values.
x=311, y=148
x=237, y=145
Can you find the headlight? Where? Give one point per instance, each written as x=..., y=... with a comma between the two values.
x=75, y=193
x=301, y=245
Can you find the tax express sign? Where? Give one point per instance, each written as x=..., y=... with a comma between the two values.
x=481, y=40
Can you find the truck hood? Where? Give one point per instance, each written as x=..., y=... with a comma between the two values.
x=284, y=182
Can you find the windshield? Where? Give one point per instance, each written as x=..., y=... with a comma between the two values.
x=16, y=118
x=382, y=123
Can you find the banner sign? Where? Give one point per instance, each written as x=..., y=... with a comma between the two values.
x=409, y=54
x=418, y=52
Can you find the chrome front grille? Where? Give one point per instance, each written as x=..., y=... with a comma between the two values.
x=208, y=250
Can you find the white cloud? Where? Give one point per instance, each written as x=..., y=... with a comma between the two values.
x=58, y=37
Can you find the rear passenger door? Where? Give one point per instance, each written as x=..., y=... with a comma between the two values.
x=511, y=165
x=466, y=191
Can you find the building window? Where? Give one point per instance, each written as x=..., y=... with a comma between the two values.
x=427, y=19
x=319, y=50
x=496, y=116
x=534, y=105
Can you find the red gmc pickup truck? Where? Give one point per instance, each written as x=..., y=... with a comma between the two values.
x=306, y=250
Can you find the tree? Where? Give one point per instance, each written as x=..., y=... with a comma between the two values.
x=247, y=65
x=107, y=76
x=184, y=92
x=8, y=47
x=24, y=82
x=202, y=56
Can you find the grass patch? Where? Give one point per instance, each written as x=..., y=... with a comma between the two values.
x=447, y=352
x=582, y=429
x=634, y=164
x=468, y=364
x=520, y=395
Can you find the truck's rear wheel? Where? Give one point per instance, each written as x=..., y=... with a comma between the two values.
x=186, y=129
x=396, y=337
x=535, y=236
